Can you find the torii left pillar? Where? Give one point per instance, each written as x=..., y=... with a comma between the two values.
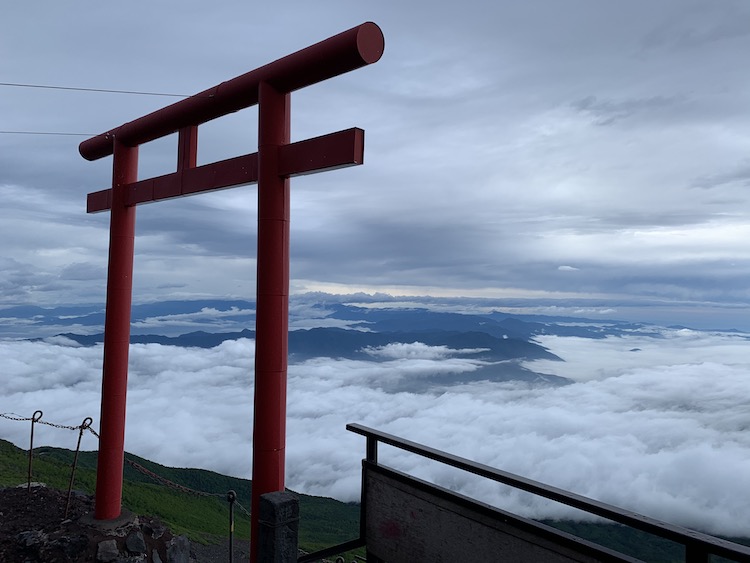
x=277, y=159
x=116, y=335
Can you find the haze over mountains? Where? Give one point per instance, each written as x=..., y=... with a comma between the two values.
x=650, y=418
x=359, y=331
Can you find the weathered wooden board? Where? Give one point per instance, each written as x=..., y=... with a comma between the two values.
x=409, y=520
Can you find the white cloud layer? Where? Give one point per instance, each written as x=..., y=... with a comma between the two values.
x=662, y=431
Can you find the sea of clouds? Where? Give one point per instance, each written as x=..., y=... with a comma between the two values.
x=660, y=426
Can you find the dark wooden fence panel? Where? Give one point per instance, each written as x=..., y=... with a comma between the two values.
x=410, y=520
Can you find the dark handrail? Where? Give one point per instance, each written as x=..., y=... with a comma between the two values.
x=697, y=544
x=328, y=552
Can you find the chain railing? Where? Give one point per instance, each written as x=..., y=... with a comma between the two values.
x=36, y=418
x=181, y=488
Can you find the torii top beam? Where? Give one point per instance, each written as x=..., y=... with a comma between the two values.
x=347, y=51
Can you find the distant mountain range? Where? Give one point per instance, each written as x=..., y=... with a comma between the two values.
x=175, y=318
x=497, y=341
x=501, y=357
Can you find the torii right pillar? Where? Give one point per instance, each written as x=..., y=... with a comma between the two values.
x=272, y=304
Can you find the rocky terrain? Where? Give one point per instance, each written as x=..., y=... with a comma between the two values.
x=33, y=528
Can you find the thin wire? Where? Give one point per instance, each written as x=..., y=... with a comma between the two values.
x=92, y=90
x=47, y=133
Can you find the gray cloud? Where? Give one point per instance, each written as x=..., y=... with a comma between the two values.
x=739, y=175
x=607, y=112
x=699, y=25
x=485, y=168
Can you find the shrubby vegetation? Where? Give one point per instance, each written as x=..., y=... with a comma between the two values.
x=324, y=522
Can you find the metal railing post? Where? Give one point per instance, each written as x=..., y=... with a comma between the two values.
x=371, y=453
x=36, y=417
x=231, y=497
x=84, y=425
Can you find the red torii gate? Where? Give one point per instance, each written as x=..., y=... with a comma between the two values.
x=271, y=167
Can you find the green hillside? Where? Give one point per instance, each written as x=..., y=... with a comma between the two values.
x=203, y=518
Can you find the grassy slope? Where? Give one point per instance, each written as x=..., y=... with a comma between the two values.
x=323, y=522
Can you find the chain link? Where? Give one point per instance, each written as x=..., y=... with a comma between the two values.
x=159, y=479
x=14, y=416
x=166, y=482
x=242, y=508
x=183, y=489
x=53, y=425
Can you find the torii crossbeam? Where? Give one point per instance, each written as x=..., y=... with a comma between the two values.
x=271, y=167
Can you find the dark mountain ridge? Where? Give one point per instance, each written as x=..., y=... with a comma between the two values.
x=353, y=344
x=498, y=342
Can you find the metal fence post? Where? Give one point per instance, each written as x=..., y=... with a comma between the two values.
x=371, y=452
x=36, y=417
x=84, y=425
x=231, y=497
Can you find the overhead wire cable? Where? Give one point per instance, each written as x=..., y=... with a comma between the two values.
x=47, y=133
x=78, y=89
x=101, y=90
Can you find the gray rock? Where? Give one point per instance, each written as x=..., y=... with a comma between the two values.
x=178, y=550
x=135, y=543
x=155, y=558
x=107, y=551
x=33, y=485
x=71, y=546
x=154, y=530
x=31, y=538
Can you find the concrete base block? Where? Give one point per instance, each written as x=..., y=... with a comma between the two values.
x=279, y=527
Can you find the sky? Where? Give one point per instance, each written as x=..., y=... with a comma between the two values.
x=661, y=431
x=566, y=155
x=559, y=157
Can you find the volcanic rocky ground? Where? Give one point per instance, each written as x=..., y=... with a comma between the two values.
x=33, y=528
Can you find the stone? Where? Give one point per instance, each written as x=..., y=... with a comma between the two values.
x=70, y=546
x=178, y=550
x=32, y=485
x=135, y=542
x=31, y=538
x=154, y=529
x=107, y=551
x=155, y=557
x=32, y=542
